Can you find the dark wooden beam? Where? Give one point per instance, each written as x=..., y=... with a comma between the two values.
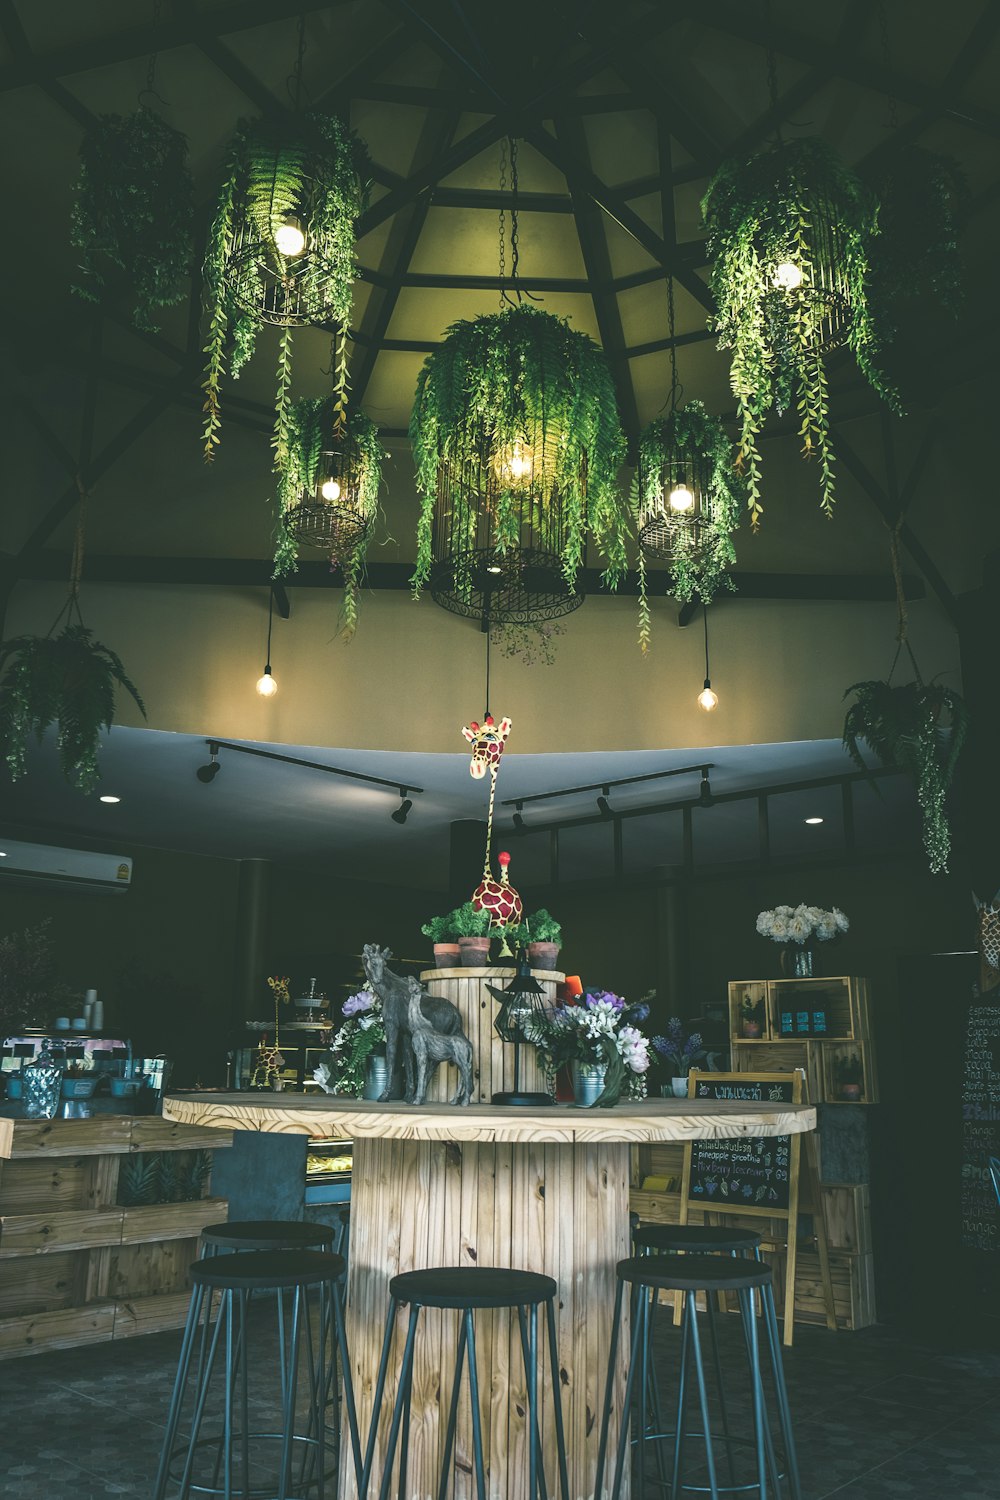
x=851, y=461
x=138, y=41
x=597, y=263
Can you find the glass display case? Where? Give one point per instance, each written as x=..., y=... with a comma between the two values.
x=328, y=1170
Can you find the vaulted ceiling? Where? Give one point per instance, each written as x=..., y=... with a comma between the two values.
x=621, y=114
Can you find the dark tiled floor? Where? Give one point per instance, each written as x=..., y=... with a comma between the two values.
x=877, y=1416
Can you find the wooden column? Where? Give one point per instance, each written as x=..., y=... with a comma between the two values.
x=493, y=1064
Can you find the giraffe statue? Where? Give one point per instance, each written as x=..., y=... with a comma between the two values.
x=498, y=897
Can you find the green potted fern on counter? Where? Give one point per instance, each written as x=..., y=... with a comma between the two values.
x=544, y=939
x=472, y=928
x=443, y=933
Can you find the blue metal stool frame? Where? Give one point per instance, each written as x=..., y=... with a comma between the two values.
x=463, y=1289
x=235, y=1278
x=688, y=1274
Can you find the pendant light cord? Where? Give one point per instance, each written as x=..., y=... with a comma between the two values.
x=704, y=616
x=488, y=633
x=772, y=70
x=270, y=618
x=513, y=298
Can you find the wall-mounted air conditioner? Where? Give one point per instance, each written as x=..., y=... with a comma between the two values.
x=69, y=869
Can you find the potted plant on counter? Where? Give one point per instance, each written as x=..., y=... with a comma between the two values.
x=752, y=1014
x=607, y=1054
x=850, y=1077
x=443, y=934
x=679, y=1052
x=357, y=1064
x=472, y=928
x=544, y=940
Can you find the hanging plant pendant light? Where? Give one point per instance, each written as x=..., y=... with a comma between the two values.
x=789, y=232
x=688, y=500
x=281, y=249
x=517, y=443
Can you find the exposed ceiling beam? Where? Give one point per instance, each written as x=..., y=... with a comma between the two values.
x=238, y=571
x=140, y=41
x=597, y=263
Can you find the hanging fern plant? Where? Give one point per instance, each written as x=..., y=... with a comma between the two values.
x=328, y=492
x=68, y=680
x=281, y=251
x=688, y=499
x=789, y=235
x=902, y=726
x=517, y=444
x=915, y=256
x=133, y=211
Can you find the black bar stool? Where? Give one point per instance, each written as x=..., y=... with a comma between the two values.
x=689, y=1274
x=235, y=1277
x=465, y=1289
x=266, y=1234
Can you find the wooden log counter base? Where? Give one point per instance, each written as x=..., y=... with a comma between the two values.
x=540, y=1190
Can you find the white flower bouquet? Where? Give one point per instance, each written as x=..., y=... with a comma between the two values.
x=801, y=924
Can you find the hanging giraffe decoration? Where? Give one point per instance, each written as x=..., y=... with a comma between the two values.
x=498, y=897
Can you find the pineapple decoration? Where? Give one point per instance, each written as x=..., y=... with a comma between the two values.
x=498, y=897
x=989, y=942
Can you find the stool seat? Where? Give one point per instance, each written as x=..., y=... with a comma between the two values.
x=472, y=1286
x=694, y=1273
x=696, y=1237
x=268, y=1234
x=268, y=1270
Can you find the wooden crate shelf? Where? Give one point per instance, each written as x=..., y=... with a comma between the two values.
x=76, y=1266
x=844, y=999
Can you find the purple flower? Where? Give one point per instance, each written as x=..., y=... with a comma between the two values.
x=594, y=997
x=355, y=1004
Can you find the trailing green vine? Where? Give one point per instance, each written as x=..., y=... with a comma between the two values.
x=69, y=680
x=312, y=428
x=133, y=210
x=312, y=172
x=789, y=235
x=689, y=441
x=902, y=727
x=522, y=380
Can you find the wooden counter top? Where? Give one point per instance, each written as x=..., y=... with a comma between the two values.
x=564, y=1124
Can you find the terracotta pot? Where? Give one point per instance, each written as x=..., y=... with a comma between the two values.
x=751, y=1030
x=851, y=1091
x=447, y=955
x=475, y=952
x=543, y=955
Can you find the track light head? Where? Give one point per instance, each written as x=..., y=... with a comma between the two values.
x=705, y=798
x=400, y=815
x=519, y=824
x=603, y=806
x=208, y=773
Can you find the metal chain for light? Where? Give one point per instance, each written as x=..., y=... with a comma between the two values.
x=892, y=110
x=772, y=69
x=502, y=223
x=150, y=84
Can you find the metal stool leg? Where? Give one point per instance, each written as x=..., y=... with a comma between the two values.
x=681, y=1395
x=397, y=1410
x=449, y=1436
x=383, y=1366
x=291, y=1385
x=623, y=1438
x=781, y=1390
x=534, y=1433
x=602, y=1446
x=201, y=1395
x=706, y=1423
x=346, y=1378
x=477, y=1424
x=556, y=1373
x=746, y=1308
x=723, y=1410
x=177, y=1398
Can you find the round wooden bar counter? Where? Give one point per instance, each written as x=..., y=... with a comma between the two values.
x=545, y=1190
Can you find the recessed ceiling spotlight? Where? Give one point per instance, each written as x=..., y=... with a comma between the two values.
x=108, y=798
x=814, y=820
x=3, y=854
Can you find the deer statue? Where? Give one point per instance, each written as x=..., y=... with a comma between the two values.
x=432, y=1047
x=394, y=993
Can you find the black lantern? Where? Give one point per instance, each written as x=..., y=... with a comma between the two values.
x=522, y=999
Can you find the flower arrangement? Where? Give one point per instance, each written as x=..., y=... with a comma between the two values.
x=360, y=1034
x=598, y=1029
x=679, y=1052
x=801, y=924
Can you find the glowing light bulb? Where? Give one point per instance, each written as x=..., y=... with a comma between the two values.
x=266, y=685
x=290, y=238
x=519, y=463
x=706, y=698
x=681, y=499
x=330, y=489
x=788, y=276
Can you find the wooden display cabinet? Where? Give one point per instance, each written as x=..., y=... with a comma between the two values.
x=77, y=1265
x=843, y=1002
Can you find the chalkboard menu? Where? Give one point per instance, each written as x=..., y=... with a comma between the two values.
x=981, y=1124
x=747, y=1173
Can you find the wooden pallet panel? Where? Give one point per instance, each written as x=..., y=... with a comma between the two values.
x=137, y=1315
x=75, y=1229
x=43, y=1186
x=93, y=1137
x=154, y=1133
x=853, y=1278
x=37, y=1333
x=171, y=1221
x=150, y=1270
x=41, y=1283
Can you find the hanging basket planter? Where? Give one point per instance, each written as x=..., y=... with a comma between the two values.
x=133, y=212
x=517, y=444
x=281, y=249
x=328, y=492
x=902, y=725
x=688, y=499
x=789, y=236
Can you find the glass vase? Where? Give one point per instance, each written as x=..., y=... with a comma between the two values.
x=41, y=1092
x=797, y=961
x=588, y=1083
